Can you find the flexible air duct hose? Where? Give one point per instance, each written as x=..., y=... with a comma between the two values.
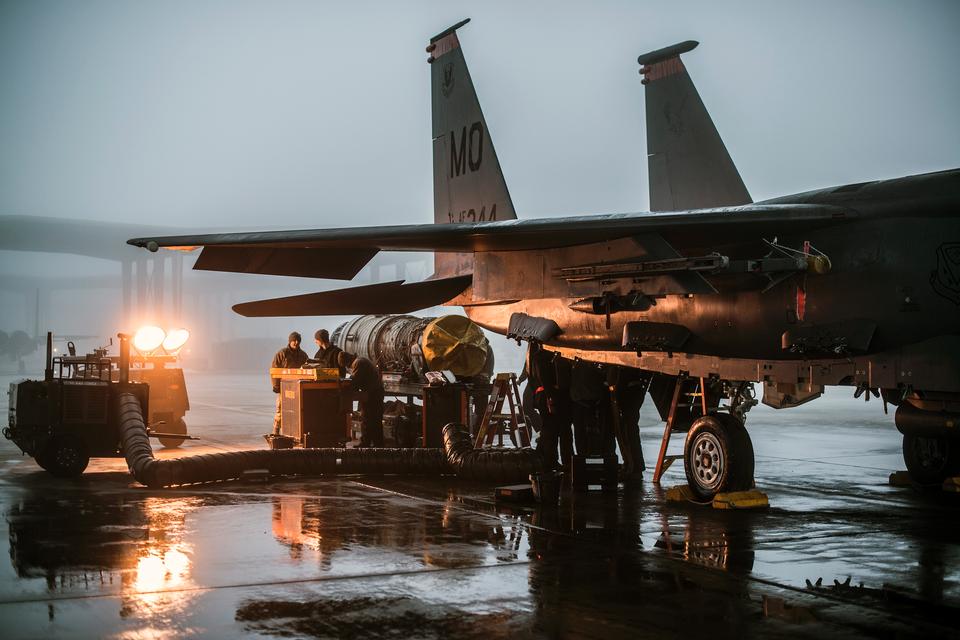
x=458, y=456
x=496, y=465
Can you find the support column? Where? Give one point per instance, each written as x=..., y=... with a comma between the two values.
x=126, y=276
x=140, y=307
x=158, y=307
x=176, y=286
x=36, y=315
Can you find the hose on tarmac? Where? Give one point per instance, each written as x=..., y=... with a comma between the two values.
x=457, y=457
x=496, y=465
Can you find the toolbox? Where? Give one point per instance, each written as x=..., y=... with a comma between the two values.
x=595, y=472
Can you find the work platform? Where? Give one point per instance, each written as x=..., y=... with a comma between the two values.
x=317, y=408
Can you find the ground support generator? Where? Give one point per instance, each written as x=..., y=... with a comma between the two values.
x=69, y=416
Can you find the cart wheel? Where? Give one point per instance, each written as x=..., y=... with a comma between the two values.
x=42, y=457
x=180, y=426
x=718, y=456
x=64, y=456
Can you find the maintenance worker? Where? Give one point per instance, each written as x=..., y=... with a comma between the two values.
x=552, y=403
x=628, y=388
x=290, y=357
x=592, y=413
x=562, y=368
x=365, y=377
x=327, y=353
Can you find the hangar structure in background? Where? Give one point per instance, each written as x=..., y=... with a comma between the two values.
x=151, y=287
x=148, y=283
x=856, y=285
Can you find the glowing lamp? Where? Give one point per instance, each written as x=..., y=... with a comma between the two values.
x=148, y=339
x=175, y=339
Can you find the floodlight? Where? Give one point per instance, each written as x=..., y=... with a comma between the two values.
x=148, y=339
x=175, y=339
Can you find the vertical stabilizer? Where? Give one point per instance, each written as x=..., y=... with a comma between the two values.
x=468, y=185
x=689, y=167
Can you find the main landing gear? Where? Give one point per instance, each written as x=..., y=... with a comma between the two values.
x=931, y=459
x=931, y=444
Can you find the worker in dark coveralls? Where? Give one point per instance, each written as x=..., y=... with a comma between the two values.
x=628, y=388
x=366, y=377
x=290, y=357
x=592, y=411
x=327, y=353
x=552, y=403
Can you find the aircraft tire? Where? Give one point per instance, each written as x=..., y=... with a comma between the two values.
x=65, y=456
x=178, y=426
x=718, y=456
x=930, y=461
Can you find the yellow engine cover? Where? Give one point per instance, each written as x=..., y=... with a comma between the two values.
x=456, y=344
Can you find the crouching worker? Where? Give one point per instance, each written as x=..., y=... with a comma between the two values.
x=290, y=357
x=365, y=377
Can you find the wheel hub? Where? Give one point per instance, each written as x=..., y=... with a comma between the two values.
x=66, y=457
x=708, y=461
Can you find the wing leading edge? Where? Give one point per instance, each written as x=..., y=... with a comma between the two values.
x=308, y=252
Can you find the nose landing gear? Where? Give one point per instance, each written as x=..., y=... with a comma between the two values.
x=717, y=453
x=718, y=456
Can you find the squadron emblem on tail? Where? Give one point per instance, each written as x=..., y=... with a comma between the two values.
x=448, y=82
x=945, y=280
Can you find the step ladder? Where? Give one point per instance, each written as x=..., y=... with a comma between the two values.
x=495, y=422
x=688, y=393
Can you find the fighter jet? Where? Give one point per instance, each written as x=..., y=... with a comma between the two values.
x=708, y=292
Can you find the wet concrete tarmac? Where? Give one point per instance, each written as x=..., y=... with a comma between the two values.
x=402, y=558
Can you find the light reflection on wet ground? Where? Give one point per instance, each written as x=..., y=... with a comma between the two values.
x=399, y=558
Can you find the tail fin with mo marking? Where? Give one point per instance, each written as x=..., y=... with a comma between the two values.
x=468, y=184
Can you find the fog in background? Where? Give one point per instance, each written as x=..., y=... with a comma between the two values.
x=246, y=115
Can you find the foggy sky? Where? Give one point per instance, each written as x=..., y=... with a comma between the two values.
x=313, y=114
x=291, y=114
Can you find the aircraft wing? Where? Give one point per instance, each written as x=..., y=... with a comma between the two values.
x=340, y=253
x=395, y=297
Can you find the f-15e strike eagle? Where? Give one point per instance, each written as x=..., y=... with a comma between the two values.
x=857, y=285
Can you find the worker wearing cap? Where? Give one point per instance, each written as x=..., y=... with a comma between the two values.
x=327, y=353
x=290, y=357
x=366, y=377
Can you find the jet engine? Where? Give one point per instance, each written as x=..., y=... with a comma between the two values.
x=412, y=346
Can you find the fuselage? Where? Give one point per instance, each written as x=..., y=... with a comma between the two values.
x=895, y=265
